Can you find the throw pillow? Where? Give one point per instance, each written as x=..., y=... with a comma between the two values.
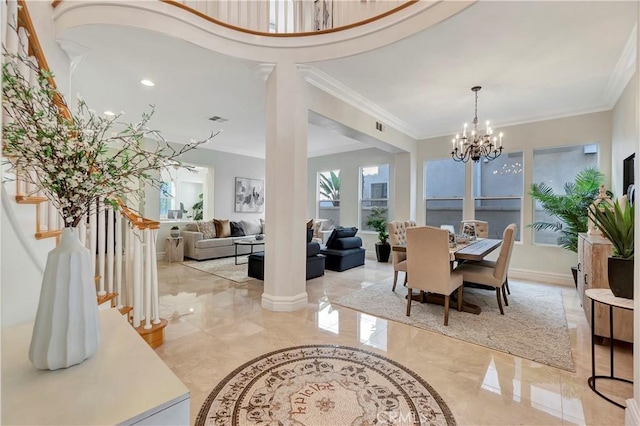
x=346, y=232
x=207, y=228
x=236, y=229
x=262, y=226
x=309, y=235
x=250, y=227
x=223, y=229
x=331, y=238
x=310, y=224
x=192, y=226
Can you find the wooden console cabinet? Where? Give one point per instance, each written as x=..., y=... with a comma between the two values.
x=593, y=254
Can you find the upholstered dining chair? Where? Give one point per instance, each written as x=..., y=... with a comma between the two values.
x=493, y=274
x=482, y=227
x=428, y=266
x=398, y=236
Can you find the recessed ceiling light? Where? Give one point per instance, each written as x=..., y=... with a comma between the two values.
x=109, y=113
x=148, y=83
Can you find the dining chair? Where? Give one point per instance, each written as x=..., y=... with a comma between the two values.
x=428, y=266
x=449, y=228
x=398, y=236
x=481, y=227
x=493, y=274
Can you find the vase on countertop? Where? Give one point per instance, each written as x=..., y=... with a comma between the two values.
x=66, y=330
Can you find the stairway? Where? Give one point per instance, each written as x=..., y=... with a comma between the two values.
x=123, y=242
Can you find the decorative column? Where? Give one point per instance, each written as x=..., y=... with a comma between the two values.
x=405, y=187
x=285, y=190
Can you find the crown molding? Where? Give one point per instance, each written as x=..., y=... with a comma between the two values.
x=333, y=87
x=623, y=71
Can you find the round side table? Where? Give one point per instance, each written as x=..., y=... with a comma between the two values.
x=606, y=297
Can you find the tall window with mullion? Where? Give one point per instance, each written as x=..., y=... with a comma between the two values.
x=555, y=168
x=498, y=189
x=329, y=196
x=374, y=193
x=444, y=192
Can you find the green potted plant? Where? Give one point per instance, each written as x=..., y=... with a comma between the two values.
x=377, y=221
x=198, y=207
x=569, y=208
x=617, y=224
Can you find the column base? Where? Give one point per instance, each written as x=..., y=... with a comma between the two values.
x=632, y=413
x=284, y=304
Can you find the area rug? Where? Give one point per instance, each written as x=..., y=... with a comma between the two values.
x=224, y=267
x=534, y=325
x=323, y=385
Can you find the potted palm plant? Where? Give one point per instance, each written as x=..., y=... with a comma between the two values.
x=377, y=221
x=569, y=208
x=617, y=224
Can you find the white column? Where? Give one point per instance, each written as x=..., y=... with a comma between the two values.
x=286, y=190
x=110, y=249
x=404, y=183
x=102, y=247
x=148, y=241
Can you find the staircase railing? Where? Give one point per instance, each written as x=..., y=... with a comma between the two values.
x=288, y=18
x=123, y=242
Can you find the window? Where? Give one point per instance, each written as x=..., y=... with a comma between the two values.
x=329, y=196
x=444, y=192
x=373, y=192
x=555, y=167
x=498, y=188
x=182, y=193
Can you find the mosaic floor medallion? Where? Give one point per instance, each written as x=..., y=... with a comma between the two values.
x=323, y=385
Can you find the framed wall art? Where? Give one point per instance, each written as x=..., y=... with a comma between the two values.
x=249, y=195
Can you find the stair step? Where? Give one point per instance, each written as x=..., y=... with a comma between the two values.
x=29, y=199
x=155, y=335
x=48, y=234
x=125, y=310
x=106, y=298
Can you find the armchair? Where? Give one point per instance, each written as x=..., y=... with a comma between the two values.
x=397, y=236
x=428, y=266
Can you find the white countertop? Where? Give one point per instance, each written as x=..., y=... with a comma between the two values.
x=123, y=382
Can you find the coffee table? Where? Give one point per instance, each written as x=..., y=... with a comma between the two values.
x=252, y=243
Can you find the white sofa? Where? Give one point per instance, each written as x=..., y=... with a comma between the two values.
x=198, y=248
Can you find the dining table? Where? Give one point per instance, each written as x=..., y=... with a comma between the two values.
x=468, y=250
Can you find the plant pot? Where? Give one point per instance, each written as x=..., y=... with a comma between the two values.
x=620, y=274
x=383, y=250
x=175, y=233
x=66, y=330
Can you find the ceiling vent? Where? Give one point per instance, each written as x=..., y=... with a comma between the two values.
x=218, y=119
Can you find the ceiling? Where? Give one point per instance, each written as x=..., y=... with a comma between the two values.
x=535, y=60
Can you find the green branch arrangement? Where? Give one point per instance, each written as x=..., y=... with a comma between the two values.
x=76, y=161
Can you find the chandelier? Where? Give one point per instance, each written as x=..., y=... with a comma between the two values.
x=476, y=146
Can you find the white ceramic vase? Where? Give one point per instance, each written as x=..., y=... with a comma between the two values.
x=66, y=331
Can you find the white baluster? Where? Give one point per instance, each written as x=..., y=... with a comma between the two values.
x=110, y=248
x=102, y=246
x=118, y=249
x=154, y=278
x=137, y=278
x=52, y=216
x=147, y=279
x=82, y=229
x=93, y=237
x=128, y=274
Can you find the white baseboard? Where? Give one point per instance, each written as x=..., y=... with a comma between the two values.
x=285, y=304
x=542, y=277
x=632, y=413
x=160, y=255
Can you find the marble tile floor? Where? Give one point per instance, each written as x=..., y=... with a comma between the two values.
x=216, y=325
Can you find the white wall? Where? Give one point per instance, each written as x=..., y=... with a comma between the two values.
x=624, y=139
x=551, y=263
x=349, y=165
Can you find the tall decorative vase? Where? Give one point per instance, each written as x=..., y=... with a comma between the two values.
x=66, y=331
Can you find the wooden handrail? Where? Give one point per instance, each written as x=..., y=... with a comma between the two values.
x=35, y=49
x=177, y=4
